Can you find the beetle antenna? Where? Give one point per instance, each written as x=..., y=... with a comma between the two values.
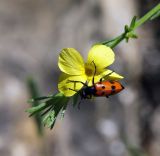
x=107, y=75
x=94, y=73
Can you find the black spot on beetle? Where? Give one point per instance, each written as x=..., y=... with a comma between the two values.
x=113, y=89
x=103, y=87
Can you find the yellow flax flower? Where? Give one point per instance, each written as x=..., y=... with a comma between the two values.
x=75, y=69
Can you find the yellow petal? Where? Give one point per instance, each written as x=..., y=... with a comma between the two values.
x=71, y=62
x=102, y=56
x=105, y=75
x=65, y=85
x=110, y=75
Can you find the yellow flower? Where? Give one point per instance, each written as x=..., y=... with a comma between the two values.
x=75, y=69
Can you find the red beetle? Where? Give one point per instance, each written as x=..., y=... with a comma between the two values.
x=101, y=88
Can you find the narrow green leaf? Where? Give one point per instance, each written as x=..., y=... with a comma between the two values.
x=49, y=119
x=52, y=101
x=36, y=109
x=39, y=98
x=133, y=22
x=126, y=28
x=58, y=104
x=34, y=92
x=45, y=111
x=63, y=111
x=62, y=114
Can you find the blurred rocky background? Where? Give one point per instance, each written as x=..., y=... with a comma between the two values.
x=33, y=32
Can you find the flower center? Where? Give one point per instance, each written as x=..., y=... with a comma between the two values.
x=89, y=69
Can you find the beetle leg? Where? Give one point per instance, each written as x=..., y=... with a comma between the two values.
x=107, y=96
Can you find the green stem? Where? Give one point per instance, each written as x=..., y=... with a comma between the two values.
x=114, y=42
x=147, y=16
